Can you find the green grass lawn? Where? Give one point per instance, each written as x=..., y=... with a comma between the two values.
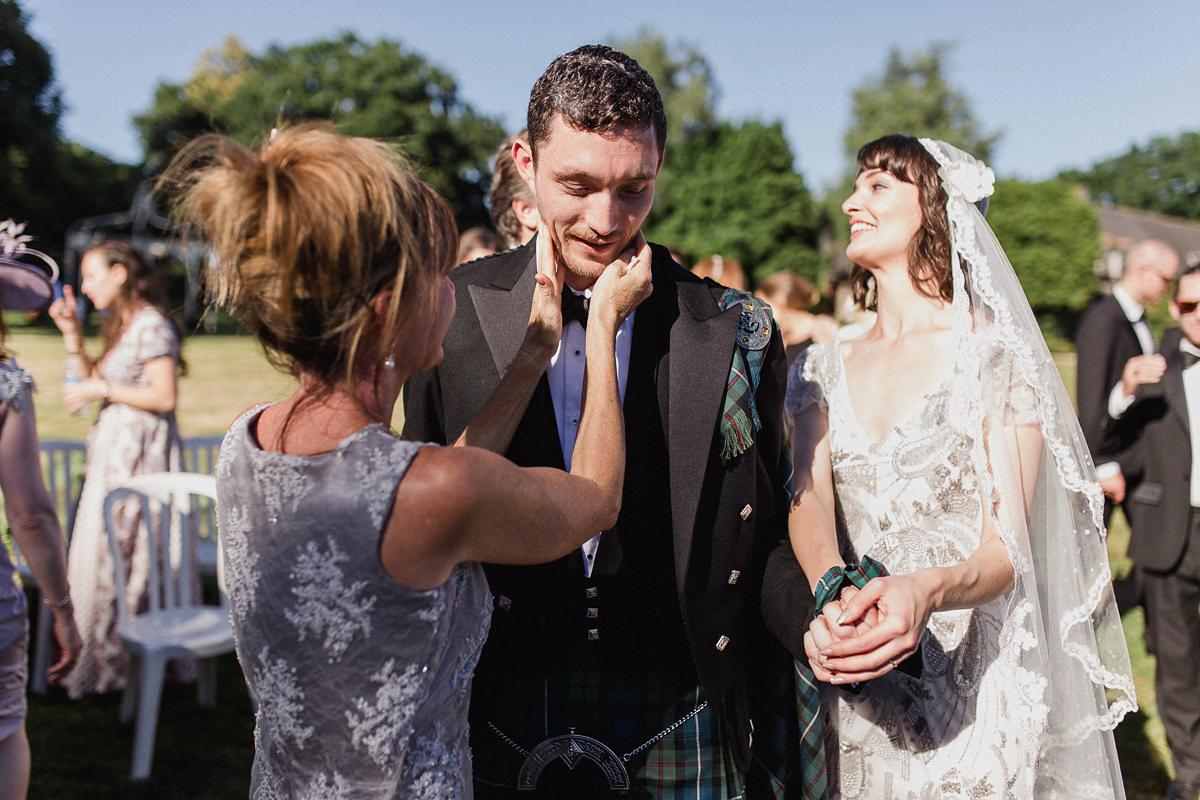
x=225, y=375
x=81, y=750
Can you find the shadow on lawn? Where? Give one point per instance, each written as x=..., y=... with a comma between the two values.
x=82, y=750
x=1146, y=776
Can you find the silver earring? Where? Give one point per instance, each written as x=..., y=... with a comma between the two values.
x=390, y=362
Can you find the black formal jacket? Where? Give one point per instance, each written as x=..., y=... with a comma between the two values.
x=704, y=527
x=1158, y=508
x=1104, y=341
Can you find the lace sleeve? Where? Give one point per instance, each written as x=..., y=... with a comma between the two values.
x=1008, y=395
x=807, y=378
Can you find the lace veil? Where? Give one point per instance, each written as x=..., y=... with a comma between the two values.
x=1010, y=399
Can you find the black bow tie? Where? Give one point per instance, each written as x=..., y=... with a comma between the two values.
x=574, y=307
x=1189, y=358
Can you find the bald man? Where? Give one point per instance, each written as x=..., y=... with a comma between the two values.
x=1113, y=336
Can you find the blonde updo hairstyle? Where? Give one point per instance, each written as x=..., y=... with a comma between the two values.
x=307, y=232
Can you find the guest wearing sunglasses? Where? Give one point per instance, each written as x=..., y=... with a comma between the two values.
x=1164, y=510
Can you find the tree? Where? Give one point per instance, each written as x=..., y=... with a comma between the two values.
x=1163, y=177
x=734, y=191
x=369, y=89
x=44, y=180
x=913, y=97
x=32, y=106
x=684, y=79
x=1052, y=238
x=724, y=188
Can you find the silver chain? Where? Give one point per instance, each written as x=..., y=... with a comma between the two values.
x=648, y=743
x=508, y=741
x=687, y=717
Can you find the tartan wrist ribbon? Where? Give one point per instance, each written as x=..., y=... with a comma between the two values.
x=808, y=691
x=837, y=578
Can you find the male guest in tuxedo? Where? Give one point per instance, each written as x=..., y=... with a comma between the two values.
x=1111, y=332
x=1165, y=514
x=632, y=654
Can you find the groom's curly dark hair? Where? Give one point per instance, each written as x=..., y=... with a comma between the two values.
x=596, y=89
x=929, y=251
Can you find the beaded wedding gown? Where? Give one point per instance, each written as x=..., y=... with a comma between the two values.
x=969, y=726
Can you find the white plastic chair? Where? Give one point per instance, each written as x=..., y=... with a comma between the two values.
x=174, y=623
x=62, y=469
x=200, y=455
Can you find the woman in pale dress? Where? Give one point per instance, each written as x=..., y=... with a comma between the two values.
x=134, y=382
x=946, y=513
x=351, y=555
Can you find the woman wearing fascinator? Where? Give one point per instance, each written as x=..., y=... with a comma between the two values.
x=966, y=641
x=31, y=514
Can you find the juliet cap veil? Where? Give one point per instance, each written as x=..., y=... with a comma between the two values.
x=1062, y=609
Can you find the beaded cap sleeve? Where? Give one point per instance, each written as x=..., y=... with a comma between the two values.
x=808, y=376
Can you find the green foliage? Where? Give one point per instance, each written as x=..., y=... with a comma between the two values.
x=44, y=180
x=734, y=191
x=32, y=106
x=1052, y=238
x=684, y=79
x=374, y=89
x=913, y=97
x=1163, y=176
x=724, y=188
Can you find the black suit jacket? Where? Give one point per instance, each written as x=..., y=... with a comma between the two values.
x=1104, y=341
x=1159, y=506
x=724, y=518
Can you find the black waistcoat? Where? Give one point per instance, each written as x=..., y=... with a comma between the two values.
x=626, y=617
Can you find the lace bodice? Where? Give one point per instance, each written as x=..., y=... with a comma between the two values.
x=911, y=499
x=362, y=684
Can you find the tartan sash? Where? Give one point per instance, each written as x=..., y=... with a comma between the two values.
x=739, y=415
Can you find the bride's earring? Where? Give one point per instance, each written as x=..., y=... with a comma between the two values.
x=390, y=362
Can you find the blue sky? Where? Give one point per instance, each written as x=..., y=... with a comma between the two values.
x=1067, y=82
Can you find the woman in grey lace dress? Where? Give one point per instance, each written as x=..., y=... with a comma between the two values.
x=941, y=445
x=352, y=555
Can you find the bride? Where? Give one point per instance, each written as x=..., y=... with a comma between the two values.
x=947, y=516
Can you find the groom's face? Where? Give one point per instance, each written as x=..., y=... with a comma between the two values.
x=593, y=192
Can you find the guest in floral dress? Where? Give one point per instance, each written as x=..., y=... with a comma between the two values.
x=135, y=383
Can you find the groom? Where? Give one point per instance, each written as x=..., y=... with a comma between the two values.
x=636, y=655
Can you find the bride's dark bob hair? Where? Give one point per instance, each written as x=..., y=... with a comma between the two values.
x=905, y=158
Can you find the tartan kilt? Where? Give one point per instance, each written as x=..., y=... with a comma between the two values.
x=695, y=761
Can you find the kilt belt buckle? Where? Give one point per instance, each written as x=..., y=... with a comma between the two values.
x=573, y=747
